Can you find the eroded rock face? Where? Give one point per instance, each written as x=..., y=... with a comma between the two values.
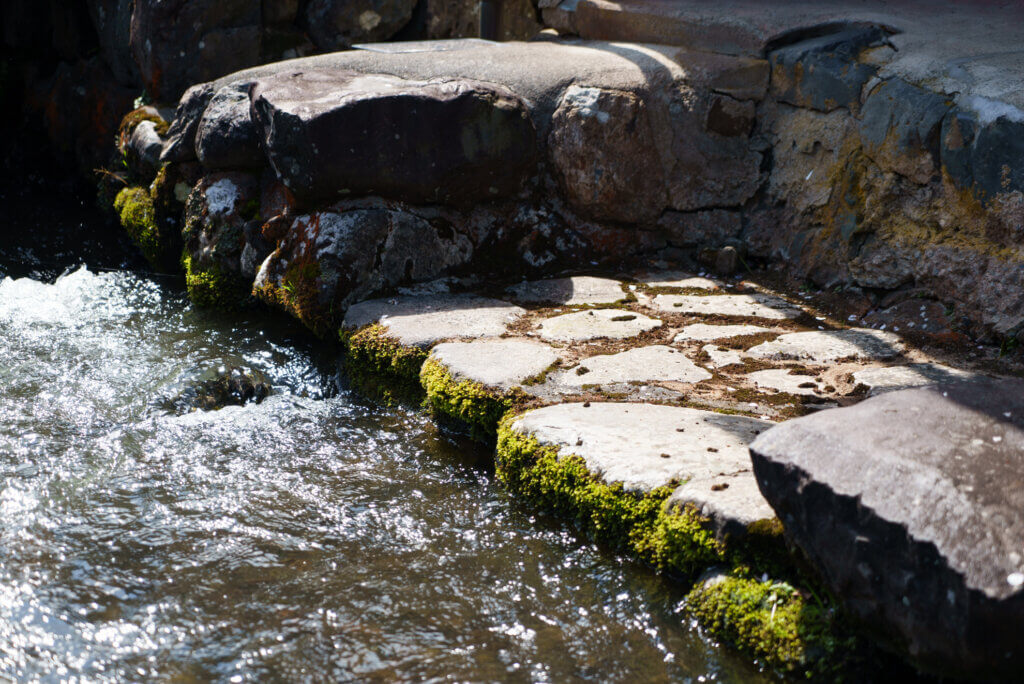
x=337, y=24
x=334, y=133
x=329, y=259
x=226, y=137
x=911, y=504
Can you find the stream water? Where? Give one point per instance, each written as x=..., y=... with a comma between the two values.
x=309, y=537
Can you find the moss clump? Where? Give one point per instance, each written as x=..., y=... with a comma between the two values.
x=464, y=400
x=211, y=287
x=775, y=623
x=133, y=119
x=671, y=540
x=381, y=367
x=134, y=207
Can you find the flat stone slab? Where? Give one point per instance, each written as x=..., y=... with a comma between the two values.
x=677, y=279
x=495, y=362
x=589, y=325
x=749, y=305
x=422, y=321
x=826, y=346
x=730, y=501
x=785, y=380
x=720, y=358
x=911, y=505
x=645, y=446
x=570, y=291
x=702, y=332
x=644, y=364
x=879, y=380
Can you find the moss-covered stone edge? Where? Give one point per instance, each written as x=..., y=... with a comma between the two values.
x=212, y=287
x=470, y=403
x=381, y=367
x=787, y=629
x=137, y=213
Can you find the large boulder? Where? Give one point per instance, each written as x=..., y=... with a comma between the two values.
x=911, y=505
x=330, y=134
x=226, y=137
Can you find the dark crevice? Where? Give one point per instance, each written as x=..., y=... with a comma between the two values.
x=820, y=30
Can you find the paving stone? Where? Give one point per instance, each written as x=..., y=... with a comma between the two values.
x=785, y=380
x=677, y=279
x=495, y=362
x=831, y=345
x=422, y=321
x=588, y=325
x=911, y=506
x=720, y=358
x=645, y=446
x=644, y=364
x=702, y=332
x=569, y=291
x=730, y=501
x=879, y=380
x=752, y=305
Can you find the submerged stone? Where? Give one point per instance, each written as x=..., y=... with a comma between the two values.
x=826, y=346
x=911, y=506
x=595, y=323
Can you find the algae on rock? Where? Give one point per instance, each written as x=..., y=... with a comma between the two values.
x=381, y=367
x=469, y=402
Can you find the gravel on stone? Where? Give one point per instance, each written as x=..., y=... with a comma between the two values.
x=645, y=446
x=826, y=346
x=589, y=325
x=702, y=332
x=643, y=364
x=495, y=362
x=577, y=290
x=422, y=321
x=748, y=305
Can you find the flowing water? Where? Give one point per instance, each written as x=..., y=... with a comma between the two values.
x=308, y=537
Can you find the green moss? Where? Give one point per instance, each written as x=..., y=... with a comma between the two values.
x=775, y=623
x=299, y=294
x=465, y=401
x=211, y=287
x=671, y=540
x=134, y=207
x=382, y=368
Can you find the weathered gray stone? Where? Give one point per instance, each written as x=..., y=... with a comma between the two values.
x=422, y=321
x=215, y=220
x=677, y=279
x=181, y=135
x=900, y=127
x=702, y=332
x=588, y=325
x=910, y=505
x=786, y=380
x=337, y=24
x=643, y=364
x=889, y=378
x=711, y=228
x=826, y=346
x=570, y=291
x=333, y=133
x=645, y=446
x=226, y=137
x=753, y=306
x=495, y=362
x=731, y=501
x=720, y=358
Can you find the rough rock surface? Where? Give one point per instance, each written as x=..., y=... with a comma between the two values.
x=337, y=25
x=677, y=279
x=644, y=364
x=886, y=379
x=783, y=380
x=645, y=446
x=912, y=506
x=751, y=306
x=422, y=321
x=595, y=323
x=329, y=134
x=831, y=345
x=578, y=290
x=719, y=357
x=226, y=137
x=499, y=363
x=703, y=332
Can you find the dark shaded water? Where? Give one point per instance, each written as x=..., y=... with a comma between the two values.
x=308, y=537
